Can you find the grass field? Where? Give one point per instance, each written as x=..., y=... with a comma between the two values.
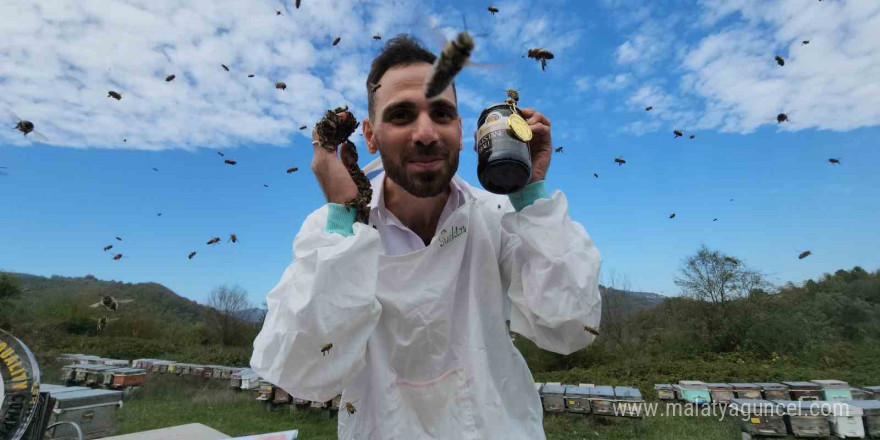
x=168, y=401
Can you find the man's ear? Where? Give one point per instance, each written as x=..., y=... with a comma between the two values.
x=367, y=127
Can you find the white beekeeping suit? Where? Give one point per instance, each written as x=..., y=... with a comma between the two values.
x=419, y=340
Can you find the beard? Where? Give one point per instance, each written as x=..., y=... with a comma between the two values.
x=422, y=183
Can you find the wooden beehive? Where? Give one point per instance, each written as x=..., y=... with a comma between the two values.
x=128, y=377
x=804, y=390
x=805, y=419
x=553, y=397
x=760, y=417
x=721, y=392
x=629, y=401
x=693, y=391
x=774, y=391
x=870, y=416
x=834, y=390
x=577, y=399
x=602, y=400
x=665, y=391
x=746, y=391
x=846, y=420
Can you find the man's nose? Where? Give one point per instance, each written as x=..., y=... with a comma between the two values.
x=425, y=131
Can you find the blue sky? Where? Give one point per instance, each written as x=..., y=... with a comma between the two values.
x=706, y=66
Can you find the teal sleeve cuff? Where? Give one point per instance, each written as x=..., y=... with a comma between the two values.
x=340, y=220
x=528, y=195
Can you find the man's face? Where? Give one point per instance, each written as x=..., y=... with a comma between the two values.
x=419, y=139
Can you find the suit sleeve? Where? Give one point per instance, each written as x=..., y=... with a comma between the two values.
x=549, y=269
x=325, y=296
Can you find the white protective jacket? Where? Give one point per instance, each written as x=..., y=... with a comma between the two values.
x=420, y=344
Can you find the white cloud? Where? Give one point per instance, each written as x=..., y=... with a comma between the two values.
x=831, y=83
x=59, y=59
x=613, y=82
x=726, y=78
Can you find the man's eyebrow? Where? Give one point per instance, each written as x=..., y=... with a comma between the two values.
x=444, y=104
x=400, y=105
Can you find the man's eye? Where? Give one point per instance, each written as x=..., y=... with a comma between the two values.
x=399, y=116
x=443, y=114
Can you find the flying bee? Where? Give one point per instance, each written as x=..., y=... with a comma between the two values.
x=230, y=161
x=779, y=60
x=596, y=175
x=155, y=169
x=349, y=406
x=114, y=95
x=292, y=169
x=805, y=42
x=102, y=322
x=158, y=214
x=214, y=240
x=374, y=87
x=692, y=136
x=191, y=255
x=110, y=303
x=117, y=256
x=265, y=185
x=221, y=154
x=804, y=254
x=377, y=37
x=170, y=78
x=26, y=127
x=780, y=118
x=834, y=161
x=541, y=55
x=302, y=127
x=619, y=161
x=224, y=67
x=450, y=62
x=513, y=94
x=298, y=3
x=559, y=150
x=251, y=75
x=108, y=247
x=277, y=13
x=592, y=330
x=336, y=40
x=649, y=108
x=672, y=215
x=714, y=219
x=118, y=238
x=731, y=260
x=233, y=238
x=281, y=86
x=677, y=134
x=492, y=10
x=326, y=349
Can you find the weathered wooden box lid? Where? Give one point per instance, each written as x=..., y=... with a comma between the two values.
x=627, y=393
x=831, y=384
x=97, y=368
x=873, y=389
x=772, y=386
x=602, y=392
x=663, y=386
x=128, y=371
x=576, y=391
x=869, y=407
x=803, y=385
x=715, y=386
x=88, y=397
x=692, y=385
x=553, y=388
x=745, y=386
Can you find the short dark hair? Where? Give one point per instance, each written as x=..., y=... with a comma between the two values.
x=402, y=50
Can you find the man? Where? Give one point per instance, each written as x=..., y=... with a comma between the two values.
x=407, y=314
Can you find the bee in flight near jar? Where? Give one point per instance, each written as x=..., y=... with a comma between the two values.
x=326, y=349
x=110, y=303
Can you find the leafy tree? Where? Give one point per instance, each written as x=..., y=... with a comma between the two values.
x=717, y=278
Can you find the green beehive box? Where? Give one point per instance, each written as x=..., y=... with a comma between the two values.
x=693, y=391
x=834, y=390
